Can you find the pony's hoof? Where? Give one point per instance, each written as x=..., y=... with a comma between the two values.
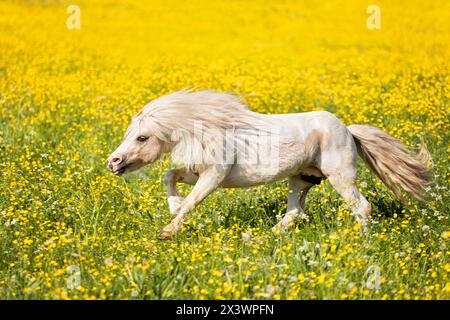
x=365, y=227
x=165, y=235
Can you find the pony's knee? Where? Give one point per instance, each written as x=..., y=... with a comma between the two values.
x=175, y=203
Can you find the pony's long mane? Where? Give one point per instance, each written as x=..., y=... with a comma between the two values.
x=179, y=116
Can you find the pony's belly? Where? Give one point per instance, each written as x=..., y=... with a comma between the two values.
x=245, y=182
x=242, y=176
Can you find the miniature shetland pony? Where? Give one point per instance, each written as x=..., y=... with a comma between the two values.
x=221, y=143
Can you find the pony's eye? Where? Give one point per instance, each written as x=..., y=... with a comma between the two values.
x=142, y=138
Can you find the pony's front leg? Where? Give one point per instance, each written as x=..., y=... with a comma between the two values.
x=171, y=178
x=208, y=181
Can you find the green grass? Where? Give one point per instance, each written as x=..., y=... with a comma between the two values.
x=71, y=229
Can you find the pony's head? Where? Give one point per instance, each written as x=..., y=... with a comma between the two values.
x=139, y=147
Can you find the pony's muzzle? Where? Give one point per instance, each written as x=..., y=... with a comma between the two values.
x=116, y=164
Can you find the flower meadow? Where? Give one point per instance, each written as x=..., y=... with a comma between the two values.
x=69, y=229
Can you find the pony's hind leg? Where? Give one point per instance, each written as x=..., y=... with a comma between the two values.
x=338, y=164
x=346, y=186
x=298, y=189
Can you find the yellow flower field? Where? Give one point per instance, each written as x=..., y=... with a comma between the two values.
x=69, y=229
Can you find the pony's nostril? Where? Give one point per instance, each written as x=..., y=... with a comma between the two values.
x=116, y=160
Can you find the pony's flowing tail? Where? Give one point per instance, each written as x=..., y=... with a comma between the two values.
x=392, y=162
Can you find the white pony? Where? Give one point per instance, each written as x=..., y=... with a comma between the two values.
x=221, y=143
